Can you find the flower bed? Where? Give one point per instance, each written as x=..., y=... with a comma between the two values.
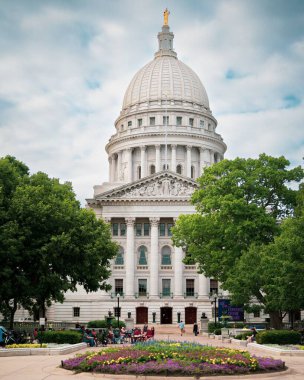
x=26, y=345
x=171, y=358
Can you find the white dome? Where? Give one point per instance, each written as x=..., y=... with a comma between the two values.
x=165, y=77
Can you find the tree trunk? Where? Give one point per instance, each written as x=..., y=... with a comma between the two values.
x=276, y=320
x=12, y=310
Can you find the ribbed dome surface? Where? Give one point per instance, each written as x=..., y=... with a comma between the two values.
x=165, y=75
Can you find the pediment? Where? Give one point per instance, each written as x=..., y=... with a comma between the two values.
x=164, y=185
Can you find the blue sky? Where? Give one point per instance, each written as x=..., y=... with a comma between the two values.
x=65, y=66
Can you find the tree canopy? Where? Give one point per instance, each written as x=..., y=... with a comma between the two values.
x=240, y=206
x=48, y=243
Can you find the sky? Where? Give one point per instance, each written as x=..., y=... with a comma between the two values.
x=65, y=66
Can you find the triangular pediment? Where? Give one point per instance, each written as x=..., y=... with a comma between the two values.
x=158, y=186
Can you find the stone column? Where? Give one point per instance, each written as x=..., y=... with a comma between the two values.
x=130, y=165
x=206, y=155
x=143, y=161
x=157, y=158
x=201, y=162
x=118, y=168
x=173, y=158
x=154, y=292
x=178, y=272
x=189, y=147
x=113, y=168
x=203, y=286
x=110, y=168
x=130, y=259
x=211, y=157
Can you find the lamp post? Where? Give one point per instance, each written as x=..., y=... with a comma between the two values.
x=118, y=310
x=214, y=296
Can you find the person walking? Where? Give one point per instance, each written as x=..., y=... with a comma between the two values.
x=181, y=326
x=195, y=328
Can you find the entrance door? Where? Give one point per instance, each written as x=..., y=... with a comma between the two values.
x=190, y=315
x=141, y=315
x=166, y=315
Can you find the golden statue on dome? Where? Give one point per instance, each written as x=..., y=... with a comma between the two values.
x=166, y=16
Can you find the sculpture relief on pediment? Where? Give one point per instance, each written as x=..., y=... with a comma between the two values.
x=162, y=188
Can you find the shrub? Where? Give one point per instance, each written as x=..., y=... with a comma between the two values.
x=279, y=337
x=102, y=324
x=217, y=331
x=71, y=337
x=212, y=326
x=243, y=336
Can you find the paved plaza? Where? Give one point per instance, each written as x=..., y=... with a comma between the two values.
x=48, y=367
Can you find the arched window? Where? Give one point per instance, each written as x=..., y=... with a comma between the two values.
x=192, y=172
x=152, y=169
x=142, y=255
x=139, y=172
x=179, y=169
x=166, y=255
x=120, y=257
x=164, y=167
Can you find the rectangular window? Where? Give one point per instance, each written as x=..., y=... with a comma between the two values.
x=257, y=314
x=76, y=311
x=138, y=229
x=166, y=285
x=169, y=226
x=142, y=287
x=165, y=120
x=129, y=123
x=179, y=121
x=213, y=286
x=117, y=311
x=139, y=122
x=152, y=120
x=122, y=229
x=146, y=229
x=191, y=122
x=202, y=123
x=190, y=287
x=162, y=229
x=118, y=286
x=115, y=229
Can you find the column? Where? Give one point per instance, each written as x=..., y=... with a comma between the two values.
x=157, y=158
x=130, y=166
x=178, y=272
x=143, y=161
x=173, y=158
x=130, y=259
x=206, y=157
x=118, y=168
x=201, y=162
x=110, y=168
x=203, y=286
x=211, y=157
x=113, y=168
x=189, y=147
x=154, y=292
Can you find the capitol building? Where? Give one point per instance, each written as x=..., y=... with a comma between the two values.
x=165, y=135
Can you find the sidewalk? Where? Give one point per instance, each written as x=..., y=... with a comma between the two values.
x=48, y=367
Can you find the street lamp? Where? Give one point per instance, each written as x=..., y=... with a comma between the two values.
x=118, y=310
x=214, y=296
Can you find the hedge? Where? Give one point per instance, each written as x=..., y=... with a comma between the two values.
x=243, y=336
x=102, y=324
x=71, y=337
x=279, y=337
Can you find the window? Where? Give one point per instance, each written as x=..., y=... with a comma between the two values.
x=166, y=255
x=190, y=287
x=162, y=229
x=213, y=286
x=142, y=287
x=76, y=311
x=257, y=314
x=138, y=229
x=169, y=226
x=209, y=127
x=129, y=123
x=120, y=257
x=164, y=167
x=192, y=172
x=191, y=122
x=115, y=229
x=179, y=121
x=139, y=172
x=139, y=122
x=119, y=286
x=146, y=229
x=202, y=123
x=152, y=120
x=165, y=120
x=142, y=255
x=152, y=169
x=122, y=229
x=166, y=287
x=179, y=169
x=121, y=127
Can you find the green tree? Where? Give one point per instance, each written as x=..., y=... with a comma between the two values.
x=50, y=245
x=239, y=204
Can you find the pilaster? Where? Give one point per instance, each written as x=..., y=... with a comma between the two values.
x=130, y=259
x=157, y=158
x=189, y=148
x=173, y=157
x=154, y=265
